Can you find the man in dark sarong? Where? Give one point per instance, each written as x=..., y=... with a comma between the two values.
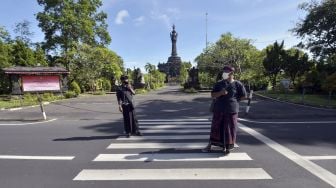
x=227, y=92
x=125, y=94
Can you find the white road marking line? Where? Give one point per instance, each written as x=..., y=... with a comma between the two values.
x=175, y=123
x=173, y=157
x=208, y=121
x=326, y=157
x=169, y=137
x=313, y=168
x=166, y=137
x=176, y=131
x=173, y=174
x=188, y=145
x=174, y=126
x=32, y=123
x=287, y=122
x=172, y=120
x=36, y=157
x=14, y=109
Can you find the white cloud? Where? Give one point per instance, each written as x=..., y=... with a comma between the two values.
x=121, y=16
x=162, y=17
x=165, y=15
x=139, y=20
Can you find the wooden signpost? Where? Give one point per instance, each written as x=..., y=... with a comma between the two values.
x=37, y=80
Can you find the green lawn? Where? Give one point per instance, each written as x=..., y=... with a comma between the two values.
x=14, y=103
x=313, y=100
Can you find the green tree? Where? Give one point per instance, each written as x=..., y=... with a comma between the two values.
x=22, y=55
x=158, y=79
x=5, y=48
x=184, y=70
x=40, y=56
x=296, y=63
x=22, y=30
x=207, y=61
x=330, y=84
x=318, y=27
x=90, y=64
x=86, y=66
x=150, y=68
x=4, y=35
x=329, y=66
x=5, y=60
x=113, y=65
x=229, y=50
x=274, y=61
x=66, y=23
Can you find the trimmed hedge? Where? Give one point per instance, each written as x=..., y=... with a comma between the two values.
x=70, y=94
x=75, y=87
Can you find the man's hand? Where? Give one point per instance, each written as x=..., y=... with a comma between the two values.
x=224, y=92
x=120, y=108
x=219, y=93
x=129, y=86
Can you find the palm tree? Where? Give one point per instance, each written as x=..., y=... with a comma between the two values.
x=150, y=68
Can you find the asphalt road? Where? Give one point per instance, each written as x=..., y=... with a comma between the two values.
x=279, y=145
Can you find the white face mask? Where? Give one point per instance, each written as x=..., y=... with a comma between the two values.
x=225, y=75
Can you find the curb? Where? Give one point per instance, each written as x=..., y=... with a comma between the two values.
x=296, y=104
x=30, y=123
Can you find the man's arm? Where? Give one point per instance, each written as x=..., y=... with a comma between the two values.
x=218, y=94
x=119, y=100
x=242, y=91
x=131, y=89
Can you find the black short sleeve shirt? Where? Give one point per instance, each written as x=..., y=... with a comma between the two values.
x=229, y=103
x=124, y=95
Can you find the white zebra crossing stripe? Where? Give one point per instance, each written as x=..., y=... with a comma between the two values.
x=173, y=174
x=326, y=157
x=174, y=120
x=173, y=157
x=188, y=145
x=176, y=131
x=174, y=126
x=167, y=137
x=175, y=123
x=182, y=128
x=26, y=157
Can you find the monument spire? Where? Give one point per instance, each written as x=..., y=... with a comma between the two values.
x=172, y=67
x=173, y=37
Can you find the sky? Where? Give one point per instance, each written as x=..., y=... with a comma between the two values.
x=140, y=29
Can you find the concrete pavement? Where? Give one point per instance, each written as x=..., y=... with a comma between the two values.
x=85, y=128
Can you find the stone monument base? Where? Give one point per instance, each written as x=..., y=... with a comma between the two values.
x=174, y=59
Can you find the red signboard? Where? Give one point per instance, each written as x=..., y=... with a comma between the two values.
x=40, y=83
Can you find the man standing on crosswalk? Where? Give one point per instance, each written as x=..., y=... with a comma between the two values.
x=125, y=94
x=227, y=94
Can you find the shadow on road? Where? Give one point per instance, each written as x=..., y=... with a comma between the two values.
x=171, y=105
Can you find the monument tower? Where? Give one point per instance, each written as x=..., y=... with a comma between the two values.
x=172, y=67
x=174, y=60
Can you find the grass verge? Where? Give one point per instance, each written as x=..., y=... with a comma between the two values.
x=307, y=99
x=27, y=101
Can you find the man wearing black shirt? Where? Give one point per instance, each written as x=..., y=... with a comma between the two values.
x=227, y=94
x=125, y=94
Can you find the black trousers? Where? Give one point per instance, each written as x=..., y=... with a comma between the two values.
x=130, y=120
